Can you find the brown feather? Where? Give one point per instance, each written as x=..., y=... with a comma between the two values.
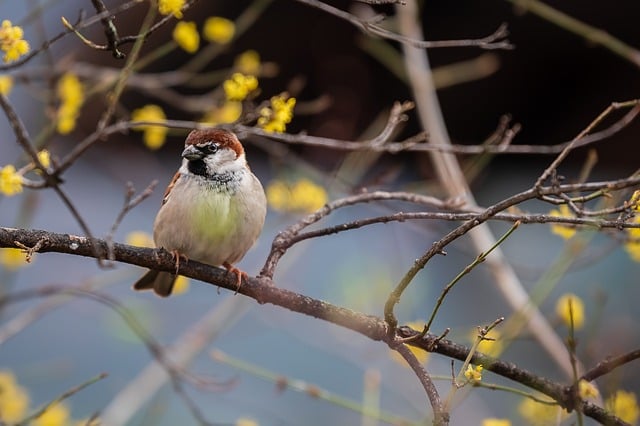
x=165, y=197
x=223, y=138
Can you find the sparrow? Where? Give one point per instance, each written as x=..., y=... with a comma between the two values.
x=212, y=211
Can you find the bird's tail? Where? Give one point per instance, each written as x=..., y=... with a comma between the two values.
x=160, y=282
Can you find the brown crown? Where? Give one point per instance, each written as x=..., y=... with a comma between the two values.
x=223, y=138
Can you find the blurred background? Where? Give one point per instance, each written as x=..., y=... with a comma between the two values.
x=553, y=84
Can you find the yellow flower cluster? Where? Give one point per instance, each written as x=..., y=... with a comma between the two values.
x=539, y=414
x=56, y=415
x=14, y=406
x=239, y=86
x=187, y=37
x=10, y=181
x=302, y=196
x=71, y=94
x=14, y=399
x=154, y=135
x=624, y=404
x=575, y=315
x=45, y=158
x=12, y=258
x=473, y=374
x=218, y=30
x=564, y=231
x=276, y=117
x=11, y=42
x=632, y=246
x=6, y=84
x=171, y=7
x=228, y=112
x=248, y=62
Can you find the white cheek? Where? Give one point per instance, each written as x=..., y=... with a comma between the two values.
x=224, y=161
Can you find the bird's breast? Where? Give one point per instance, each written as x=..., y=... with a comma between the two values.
x=207, y=223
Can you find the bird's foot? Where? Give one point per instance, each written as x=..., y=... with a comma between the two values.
x=177, y=256
x=239, y=274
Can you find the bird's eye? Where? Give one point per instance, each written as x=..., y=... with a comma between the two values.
x=209, y=148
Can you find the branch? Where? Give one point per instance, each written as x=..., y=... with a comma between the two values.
x=610, y=364
x=440, y=416
x=286, y=238
x=433, y=146
x=497, y=40
x=264, y=291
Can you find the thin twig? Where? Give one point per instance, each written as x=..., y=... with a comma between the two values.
x=59, y=399
x=130, y=202
x=635, y=110
x=285, y=238
x=478, y=260
x=610, y=364
x=497, y=40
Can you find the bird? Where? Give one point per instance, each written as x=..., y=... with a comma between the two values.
x=212, y=211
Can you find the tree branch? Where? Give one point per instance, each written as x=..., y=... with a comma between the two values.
x=263, y=290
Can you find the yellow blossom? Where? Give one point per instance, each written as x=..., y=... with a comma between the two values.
x=10, y=181
x=11, y=42
x=587, y=390
x=538, y=414
x=171, y=7
x=248, y=62
x=495, y=422
x=491, y=345
x=474, y=374
x=302, y=196
x=45, y=158
x=575, y=315
x=229, y=112
x=564, y=231
x=6, y=84
x=632, y=246
x=71, y=94
x=219, y=30
x=634, y=201
x=12, y=258
x=244, y=421
x=278, y=115
x=187, y=37
x=55, y=415
x=139, y=239
x=181, y=285
x=14, y=400
x=623, y=404
x=238, y=87
x=154, y=135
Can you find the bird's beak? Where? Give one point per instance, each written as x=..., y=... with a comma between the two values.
x=192, y=153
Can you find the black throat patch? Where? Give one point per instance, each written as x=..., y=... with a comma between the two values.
x=197, y=167
x=217, y=182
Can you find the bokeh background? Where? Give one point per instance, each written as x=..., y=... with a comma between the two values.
x=553, y=83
